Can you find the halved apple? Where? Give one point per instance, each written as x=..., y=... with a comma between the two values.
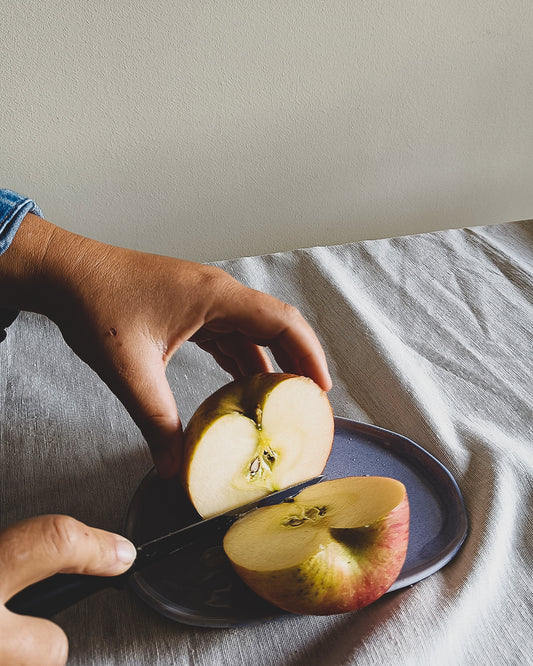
x=337, y=547
x=253, y=436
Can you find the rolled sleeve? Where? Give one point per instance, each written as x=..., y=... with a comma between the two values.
x=13, y=209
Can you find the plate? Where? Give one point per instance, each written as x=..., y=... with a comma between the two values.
x=197, y=585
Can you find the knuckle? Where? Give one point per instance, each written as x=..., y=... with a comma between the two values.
x=219, y=286
x=207, y=282
x=290, y=313
x=61, y=534
x=211, y=276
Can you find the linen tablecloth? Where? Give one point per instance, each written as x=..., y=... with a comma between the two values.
x=430, y=336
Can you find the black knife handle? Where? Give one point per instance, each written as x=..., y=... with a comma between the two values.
x=54, y=594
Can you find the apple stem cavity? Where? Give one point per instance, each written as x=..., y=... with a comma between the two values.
x=259, y=417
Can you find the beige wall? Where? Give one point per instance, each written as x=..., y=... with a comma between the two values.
x=212, y=129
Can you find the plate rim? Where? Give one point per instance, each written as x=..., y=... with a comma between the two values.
x=420, y=454
x=405, y=579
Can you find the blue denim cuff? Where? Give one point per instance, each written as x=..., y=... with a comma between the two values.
x=13, y=209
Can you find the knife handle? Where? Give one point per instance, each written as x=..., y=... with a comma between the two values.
x=52, y=595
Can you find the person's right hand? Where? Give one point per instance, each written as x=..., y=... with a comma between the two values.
x=34, y=549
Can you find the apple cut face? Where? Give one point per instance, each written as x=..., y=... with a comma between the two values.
x=337, y=547
x=254, y=436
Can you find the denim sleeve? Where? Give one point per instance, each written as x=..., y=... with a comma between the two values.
x=13, y=209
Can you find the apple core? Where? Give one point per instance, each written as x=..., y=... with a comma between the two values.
x=254, y=436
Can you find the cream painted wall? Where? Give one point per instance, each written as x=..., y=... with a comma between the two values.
x=213, y=129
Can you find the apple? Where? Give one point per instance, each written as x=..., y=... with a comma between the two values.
x=338, y=546
x=253, y=436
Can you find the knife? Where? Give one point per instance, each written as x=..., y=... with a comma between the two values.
x=60, y=591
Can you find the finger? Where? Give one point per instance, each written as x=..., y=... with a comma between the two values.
x=288, y=352
x=31, y=641
x=225, y=362
x=297, y=346
x=250, y=358
x=36, y=548
x=288, y=362
x=266, y=320
x=238, y=355
x=137, y=377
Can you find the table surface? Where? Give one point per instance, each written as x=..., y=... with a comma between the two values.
x=430, y=336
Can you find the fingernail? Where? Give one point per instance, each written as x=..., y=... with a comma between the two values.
x=126, y=551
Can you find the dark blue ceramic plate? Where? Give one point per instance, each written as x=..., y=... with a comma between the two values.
x=197, y=586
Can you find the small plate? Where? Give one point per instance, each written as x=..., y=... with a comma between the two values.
x=197, y=585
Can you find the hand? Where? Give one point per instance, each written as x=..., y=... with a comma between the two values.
x=34, y=549
x=126, y=313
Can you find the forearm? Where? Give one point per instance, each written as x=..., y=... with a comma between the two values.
x=13, y=208
x=33, y=268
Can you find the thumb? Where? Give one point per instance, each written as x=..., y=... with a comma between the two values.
x=34, y=549
x=140, y=382
x=39, y=547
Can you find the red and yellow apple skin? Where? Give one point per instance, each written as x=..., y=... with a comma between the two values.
x=254, y=436
x=334, y=561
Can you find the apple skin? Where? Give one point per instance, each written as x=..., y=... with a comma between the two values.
x=303, y=439
x=350, y=569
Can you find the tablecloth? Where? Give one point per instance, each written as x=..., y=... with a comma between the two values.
x=430, y=336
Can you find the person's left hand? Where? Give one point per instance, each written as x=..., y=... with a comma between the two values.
x=126, y=313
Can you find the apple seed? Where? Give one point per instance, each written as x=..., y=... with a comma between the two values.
x=269, y=456
x=261, y=465
x=310, y=514
x=293, y=521
x=255, y=465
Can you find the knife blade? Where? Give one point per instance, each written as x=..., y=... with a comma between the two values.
x=60, y=591
x=154, y=550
